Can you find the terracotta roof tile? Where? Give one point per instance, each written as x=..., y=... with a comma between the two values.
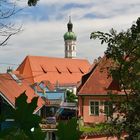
x=61, y=70
x=11, y=89
x=98, y=80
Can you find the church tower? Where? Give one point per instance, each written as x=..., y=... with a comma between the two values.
x=70, y=41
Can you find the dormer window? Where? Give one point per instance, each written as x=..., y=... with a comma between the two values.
x=58, y=70
x=43, y=70
x=69, y=71
x=81, y=71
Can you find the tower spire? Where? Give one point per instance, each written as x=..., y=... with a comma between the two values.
x=70, y=41
x=70, y=25
x=69, y=19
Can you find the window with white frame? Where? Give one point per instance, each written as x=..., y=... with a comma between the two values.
x=94, y=108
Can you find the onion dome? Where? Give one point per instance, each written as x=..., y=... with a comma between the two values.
x=70, y=35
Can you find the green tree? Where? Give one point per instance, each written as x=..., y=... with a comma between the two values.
x=70, y=96
x=124, y=49
x=32, y=2
x=68, y=130
x=25, y=120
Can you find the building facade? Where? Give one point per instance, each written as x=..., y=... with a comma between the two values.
x=93, y=97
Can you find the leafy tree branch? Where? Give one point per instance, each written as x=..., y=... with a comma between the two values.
x=124, y=49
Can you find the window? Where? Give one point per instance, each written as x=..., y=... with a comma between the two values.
x=108, y=108
x=94, y=108
x=67, y=47
x=73, y=47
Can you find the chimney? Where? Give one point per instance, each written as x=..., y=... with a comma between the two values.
x=9, y=70
x=14, y=77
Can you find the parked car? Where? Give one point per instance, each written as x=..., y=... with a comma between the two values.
x=64, y=113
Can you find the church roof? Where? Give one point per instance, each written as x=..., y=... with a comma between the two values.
x=62, y=71
x=98, y=81
x=11, y=88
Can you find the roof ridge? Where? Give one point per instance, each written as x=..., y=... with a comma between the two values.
x=22, y=63
x=51, y=57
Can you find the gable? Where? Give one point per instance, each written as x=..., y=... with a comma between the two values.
x=25, y=70
x=98, y=81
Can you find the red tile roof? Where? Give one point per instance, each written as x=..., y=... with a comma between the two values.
x=63, y=71
x=98, y=81
x=10, y=89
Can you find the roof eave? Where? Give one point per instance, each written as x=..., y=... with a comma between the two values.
x=93, y=94
x=37, y=109
x=6, y=99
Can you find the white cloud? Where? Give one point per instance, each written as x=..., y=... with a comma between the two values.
x=63, y=2
x=45, y=37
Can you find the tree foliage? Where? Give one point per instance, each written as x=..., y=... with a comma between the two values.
x=68, y=130
x=25, y=120
x=124, y=49
x=70, y=96
x=32, y=2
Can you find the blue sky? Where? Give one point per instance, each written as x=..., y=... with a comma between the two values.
x=44, y=25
